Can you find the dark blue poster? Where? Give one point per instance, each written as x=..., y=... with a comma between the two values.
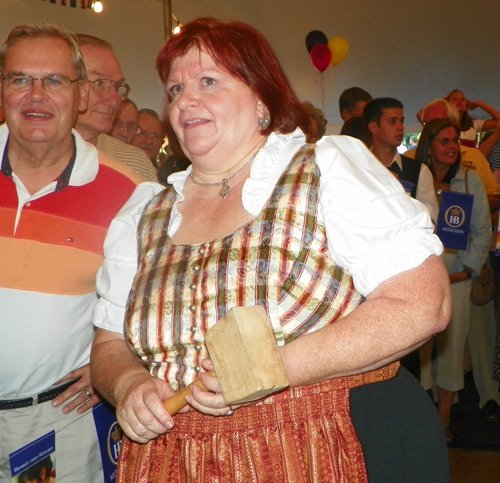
x=455, y=212
x=40, y=453
x=110, y=439
x=408, y=187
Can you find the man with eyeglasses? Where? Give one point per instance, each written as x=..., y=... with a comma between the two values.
x=107, y=91
x=481, y=336
x=58, y=196
x=151, y=135
x=126, y=122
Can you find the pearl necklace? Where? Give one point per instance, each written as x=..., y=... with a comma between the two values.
x=225, y=186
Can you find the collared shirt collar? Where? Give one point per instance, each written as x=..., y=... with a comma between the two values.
x=6, y=167
x=81, y=169
x=398, y=161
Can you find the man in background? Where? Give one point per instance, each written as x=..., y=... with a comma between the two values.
x=352, y=101
x=107, y=91
x=384, y=118
x=126, y=122
x=151, y=135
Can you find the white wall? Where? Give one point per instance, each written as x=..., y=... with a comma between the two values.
x=134, y=27
x=412, y=50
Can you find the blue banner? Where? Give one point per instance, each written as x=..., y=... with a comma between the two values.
x=455, y=212
x=408, y=187
x=34, y=459
x=110, y=435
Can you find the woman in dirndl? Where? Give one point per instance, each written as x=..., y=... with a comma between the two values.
x=321, y=235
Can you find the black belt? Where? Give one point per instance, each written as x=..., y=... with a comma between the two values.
x=41, y=398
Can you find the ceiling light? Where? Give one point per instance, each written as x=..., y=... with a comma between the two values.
x=97, y=6
x=178, y=26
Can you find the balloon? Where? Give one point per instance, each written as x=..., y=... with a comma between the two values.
x=321, y=57
x=315, y=37
x=339, y=48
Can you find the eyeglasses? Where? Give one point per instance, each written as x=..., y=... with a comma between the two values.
x=127, y=127
x=24, y=82
x=447, y=141
x=102, y=87
x=145, y=134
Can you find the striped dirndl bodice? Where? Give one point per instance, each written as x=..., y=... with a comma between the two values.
x=279, y=260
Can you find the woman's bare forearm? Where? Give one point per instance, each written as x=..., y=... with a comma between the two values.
x=400, y=315
x=112, y=363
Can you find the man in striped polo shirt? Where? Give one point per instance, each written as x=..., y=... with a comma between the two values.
x=57, y=199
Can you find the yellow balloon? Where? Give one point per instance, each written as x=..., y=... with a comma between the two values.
x=339, y=47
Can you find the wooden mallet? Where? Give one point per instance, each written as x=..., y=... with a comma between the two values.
x=246, y=359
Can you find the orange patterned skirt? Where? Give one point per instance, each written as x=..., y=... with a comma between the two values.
x=304, y=434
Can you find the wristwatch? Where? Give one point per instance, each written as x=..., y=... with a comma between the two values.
x=468, y=271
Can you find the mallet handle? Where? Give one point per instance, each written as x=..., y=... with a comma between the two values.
x=176, y=402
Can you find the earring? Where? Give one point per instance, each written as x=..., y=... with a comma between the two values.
x=264, y=121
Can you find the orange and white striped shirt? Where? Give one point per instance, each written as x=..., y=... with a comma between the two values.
x=51, y=246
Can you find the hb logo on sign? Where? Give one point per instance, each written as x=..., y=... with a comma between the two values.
x=455, y=216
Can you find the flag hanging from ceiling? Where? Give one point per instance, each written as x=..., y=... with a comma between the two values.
x=72, y=3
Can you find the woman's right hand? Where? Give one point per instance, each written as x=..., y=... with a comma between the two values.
x=471, y=105
x=139, y=407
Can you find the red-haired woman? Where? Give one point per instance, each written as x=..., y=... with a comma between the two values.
x=321, y=235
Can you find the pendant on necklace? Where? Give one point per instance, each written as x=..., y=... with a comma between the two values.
x=225, y=188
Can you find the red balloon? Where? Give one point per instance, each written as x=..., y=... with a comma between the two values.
x=321, y=57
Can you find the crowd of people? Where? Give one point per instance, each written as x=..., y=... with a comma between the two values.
x=114, y=267
x=446, y=159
